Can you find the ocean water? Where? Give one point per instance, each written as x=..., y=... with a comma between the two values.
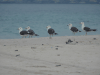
x=38, y=16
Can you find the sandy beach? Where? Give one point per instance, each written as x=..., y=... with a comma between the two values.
x=56, y=56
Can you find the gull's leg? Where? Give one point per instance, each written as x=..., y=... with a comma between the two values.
x=50, y=36
x=22, y=36
x=86, y=33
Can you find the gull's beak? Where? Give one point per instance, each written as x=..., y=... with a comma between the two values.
x=46, y=27
x=25, y=28
x=18, y=29
x=79, y=23
x=67, y=25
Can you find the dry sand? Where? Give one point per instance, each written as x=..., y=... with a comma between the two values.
x=44, y=56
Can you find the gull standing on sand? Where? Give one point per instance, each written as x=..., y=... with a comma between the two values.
x=51, y=31
x=86, y=29
x=73, y=29
x=22, y=32
x=31, y=32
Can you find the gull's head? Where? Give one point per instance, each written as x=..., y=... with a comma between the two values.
x=20, y=28
x=82, y=23
x=70, y=25
x=48, y=27
x=27, y=28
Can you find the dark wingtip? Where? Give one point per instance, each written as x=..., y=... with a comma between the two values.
x=36, y=35
x=79, y=31
x=95, y=30
x=56, y=33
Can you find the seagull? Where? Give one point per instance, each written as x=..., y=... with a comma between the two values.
x=22, y=32
x=86, y=29
x=31, y=32
x=73, y=29
x=51, y=31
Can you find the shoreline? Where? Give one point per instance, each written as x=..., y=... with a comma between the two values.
x=54, y=40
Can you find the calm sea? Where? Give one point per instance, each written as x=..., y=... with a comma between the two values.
x=38, y=16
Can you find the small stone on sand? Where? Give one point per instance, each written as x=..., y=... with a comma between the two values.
x=56, y=48
x=58, y=65
x=18, y=55
x=16, y=50
x=94, y=38
x=33, y=47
